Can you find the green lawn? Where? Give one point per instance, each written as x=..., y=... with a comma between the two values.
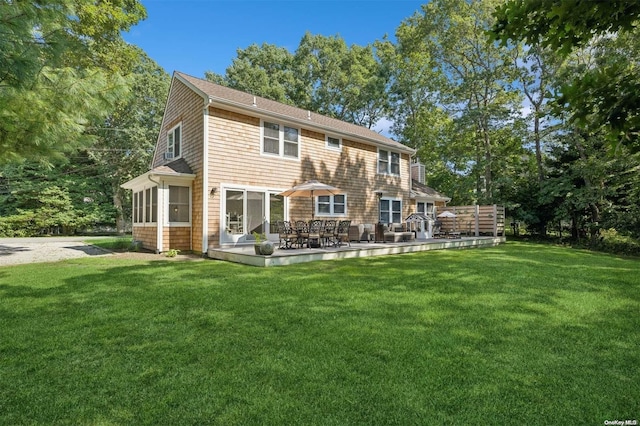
x=520, y=333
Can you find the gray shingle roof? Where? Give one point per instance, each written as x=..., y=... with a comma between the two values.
x=176, y=166
x=246, y=101
x=421, y=190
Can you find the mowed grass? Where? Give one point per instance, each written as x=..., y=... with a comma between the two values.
x=521, y=333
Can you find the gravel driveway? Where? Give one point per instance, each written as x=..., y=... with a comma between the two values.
x=14, y=251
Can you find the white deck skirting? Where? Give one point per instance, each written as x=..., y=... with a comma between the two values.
x=281, y=257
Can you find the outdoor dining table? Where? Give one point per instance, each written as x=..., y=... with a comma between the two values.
x=317, y=233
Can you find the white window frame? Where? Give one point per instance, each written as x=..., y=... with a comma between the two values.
x=171, y=141
x=429, y=207
x=387, y=170
x=281, y=140
x=168, y=204
x=138, y=203
x=332, y=205
x=391, y=211
x=332, y=147
x=151, y=204
x=143, y=206
x=227, y=238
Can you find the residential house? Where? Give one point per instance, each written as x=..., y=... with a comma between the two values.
x=223, y=156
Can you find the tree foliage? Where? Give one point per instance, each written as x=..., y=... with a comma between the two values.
x=323, y=75
x=605, y=96
x=36, y=200
x=62, y=65
x=124, y=142
x=563, y=24
x=265, y=70
x=473, y=81
x=89, y=179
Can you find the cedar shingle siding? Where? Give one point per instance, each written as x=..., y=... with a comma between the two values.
x=234, y=157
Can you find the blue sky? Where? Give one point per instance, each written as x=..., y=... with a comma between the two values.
x=194, y=36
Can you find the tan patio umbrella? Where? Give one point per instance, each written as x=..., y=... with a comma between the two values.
x=311, y=188
x=447, y=213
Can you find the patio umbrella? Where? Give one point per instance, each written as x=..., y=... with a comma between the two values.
x=449, y=214
x=311, y=188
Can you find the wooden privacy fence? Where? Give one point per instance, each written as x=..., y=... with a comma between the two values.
x=474, y=220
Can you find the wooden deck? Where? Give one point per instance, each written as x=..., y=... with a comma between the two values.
x=281, y=257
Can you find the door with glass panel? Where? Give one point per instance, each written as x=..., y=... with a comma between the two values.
x=276, y=213
x=234, y=217
x=247, y=211
x=255, y=212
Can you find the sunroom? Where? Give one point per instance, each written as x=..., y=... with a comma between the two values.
x=162, y=207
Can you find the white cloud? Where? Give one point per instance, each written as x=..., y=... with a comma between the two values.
x=383, y=126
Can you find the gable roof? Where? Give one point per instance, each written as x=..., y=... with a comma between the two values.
x=420, y=190
x=263, y=106
x=178, y=169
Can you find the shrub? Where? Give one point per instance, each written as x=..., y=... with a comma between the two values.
x=172, y=252
x=22, y=224
x=613, y=242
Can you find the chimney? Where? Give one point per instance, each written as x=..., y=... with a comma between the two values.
x=417, y=172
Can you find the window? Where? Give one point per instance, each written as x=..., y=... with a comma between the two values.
x=137, y=207
x=290, y=142
x=331, y=205
x=151, y=204
x=271, y=138
x=390, y=211
x=174, y=141
x=334, y=143
x=179, y=203
x=388, y=162
x=145, y=206
x=280, y=140
x=425, y=208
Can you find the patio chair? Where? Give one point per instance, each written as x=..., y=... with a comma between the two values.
x=316, y=233
x=302, y=228
x=329, y=232
x=437, y=229
x=342, y=233
x=286, y=234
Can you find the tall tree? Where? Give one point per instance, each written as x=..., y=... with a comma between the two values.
x=323, y=75
x=476, y=76
x=61, y=67
x=415, y=89
x=348, y=83
x=265, y=70
x=125, y=140
x=605, y=96
x=122, y=148
x=536, y=69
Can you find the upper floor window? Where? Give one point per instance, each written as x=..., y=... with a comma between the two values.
x=388, y=162
x=331, y=205
x=334, y=143
x=281, y=140
x=174, y=142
